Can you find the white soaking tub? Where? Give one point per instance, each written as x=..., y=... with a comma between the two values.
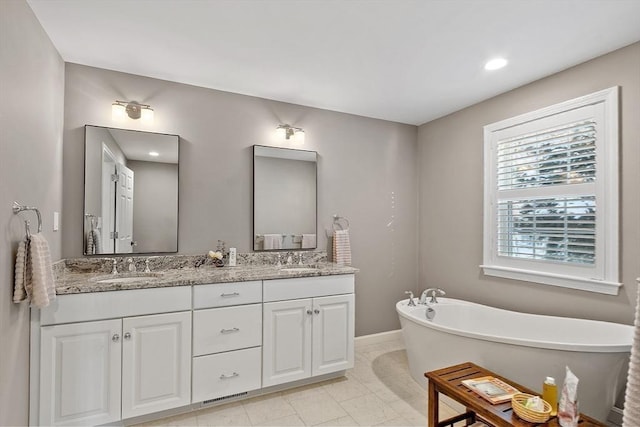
x=523, y=347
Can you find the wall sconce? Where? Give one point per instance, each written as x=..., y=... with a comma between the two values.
x=133, y=109
x=285, y=132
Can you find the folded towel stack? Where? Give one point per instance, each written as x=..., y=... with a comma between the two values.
x=308, y=241
x=341, y=247
x=34, y=272
x=273, y=241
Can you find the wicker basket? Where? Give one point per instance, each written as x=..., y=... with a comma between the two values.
x=517, y=403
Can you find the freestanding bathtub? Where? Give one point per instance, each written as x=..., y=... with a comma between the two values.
x=523, y=347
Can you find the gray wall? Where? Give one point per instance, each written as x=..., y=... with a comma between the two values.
x=367, y=173
x=451, y=192
x=31, y=88
x=155, y=213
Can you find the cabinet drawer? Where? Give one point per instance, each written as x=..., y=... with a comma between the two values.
x=223, y=374
x=228, y=328
x=308, y=287
x=114, y=304
x=225, y=294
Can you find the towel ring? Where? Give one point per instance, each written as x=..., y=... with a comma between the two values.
x=17, y=208
x=336, y=222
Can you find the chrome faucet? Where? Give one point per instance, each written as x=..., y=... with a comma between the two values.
x=433, y=293
x=132, y=266
x=411, y=302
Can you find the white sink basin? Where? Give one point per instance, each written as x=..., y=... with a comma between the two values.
x=126, y=278
x=299, y=269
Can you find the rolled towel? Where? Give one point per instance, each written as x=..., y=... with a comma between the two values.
x=308, y=241
x=20, y=278
x=273, y=241
x=39, y=266
x=341, y=247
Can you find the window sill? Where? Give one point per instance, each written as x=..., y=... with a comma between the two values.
x=572, y=282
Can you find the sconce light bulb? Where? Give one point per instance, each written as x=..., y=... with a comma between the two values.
x=147, y=115
x=281, y=133
x=117, y=111
x=298, y=137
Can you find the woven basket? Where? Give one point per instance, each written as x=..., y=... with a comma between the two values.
x=517, y=403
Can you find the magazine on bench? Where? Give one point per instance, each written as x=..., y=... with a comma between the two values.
x=492, y=389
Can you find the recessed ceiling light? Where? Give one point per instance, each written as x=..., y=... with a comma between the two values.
x=154, y=153
x=495, y=64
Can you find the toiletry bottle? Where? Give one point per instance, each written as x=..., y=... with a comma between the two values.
x=550, y=394
x=232, y=257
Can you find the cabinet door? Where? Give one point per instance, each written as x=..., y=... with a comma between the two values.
x=80, y=373
x=156, y=363
x=286, y=341
x=333, y=332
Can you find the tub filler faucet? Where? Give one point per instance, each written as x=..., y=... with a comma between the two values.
x=433, y=293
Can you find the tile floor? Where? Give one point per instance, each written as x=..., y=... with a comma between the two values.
x=378, y=391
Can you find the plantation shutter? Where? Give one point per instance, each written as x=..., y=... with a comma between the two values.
x=559, y=228
x=551, y=195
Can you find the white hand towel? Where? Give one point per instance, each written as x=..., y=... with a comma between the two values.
x=20, y=279
x=308, y=241
x=40, y=269
x=273, y=241
x=97, y=244
x=631, y=413
x=341, y=247
x=91, y=248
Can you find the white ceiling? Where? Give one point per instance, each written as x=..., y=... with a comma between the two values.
x=409, y=61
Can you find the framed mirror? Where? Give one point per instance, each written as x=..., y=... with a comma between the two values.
x=284, y=198
x=130, y=191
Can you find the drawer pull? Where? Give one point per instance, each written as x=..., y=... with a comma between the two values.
x=232, y=294
x=226, y=377
x=227, y=331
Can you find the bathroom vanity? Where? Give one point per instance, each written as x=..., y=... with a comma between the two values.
x=114, y=351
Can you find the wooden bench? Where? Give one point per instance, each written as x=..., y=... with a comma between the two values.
x=448, y=381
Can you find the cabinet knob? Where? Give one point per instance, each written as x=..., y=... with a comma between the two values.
x=127, y=336
x=309, y=312
x=226, y=377
x=316, y=311
x=115, y=338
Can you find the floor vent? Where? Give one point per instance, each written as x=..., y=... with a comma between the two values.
x=218, y=399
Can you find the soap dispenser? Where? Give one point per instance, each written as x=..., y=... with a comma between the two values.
x=550, y=394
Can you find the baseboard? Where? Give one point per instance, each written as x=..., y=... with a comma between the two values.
x=378, y=338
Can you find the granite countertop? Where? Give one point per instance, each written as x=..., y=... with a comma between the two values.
x=74, y=282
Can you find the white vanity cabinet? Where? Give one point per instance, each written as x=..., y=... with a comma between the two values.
x=98, y=371
x=308, y=327
x=80, y=373
x=227, y=339
x=103, y=357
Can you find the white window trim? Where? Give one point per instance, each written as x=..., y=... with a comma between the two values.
x=607, y=194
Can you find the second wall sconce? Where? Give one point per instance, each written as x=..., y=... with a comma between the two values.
x=285, y=132
x=133, y=109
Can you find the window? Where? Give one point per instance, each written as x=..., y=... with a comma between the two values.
x=551, y=195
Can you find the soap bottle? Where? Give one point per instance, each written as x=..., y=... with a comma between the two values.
x=232, y=257
x=550, y=394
